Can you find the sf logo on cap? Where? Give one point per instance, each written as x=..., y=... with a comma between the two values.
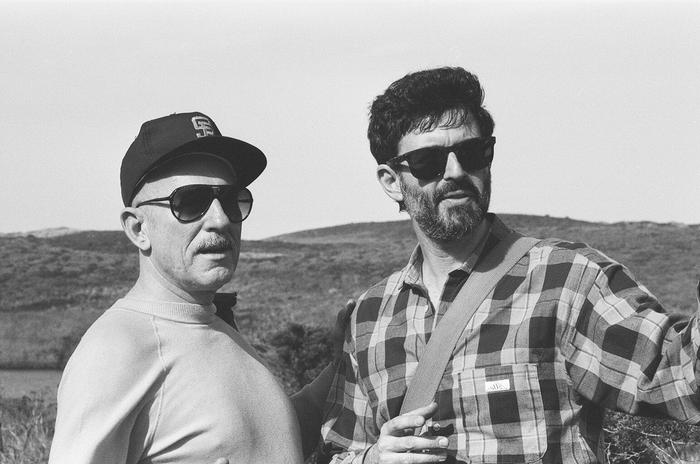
x=202, y=126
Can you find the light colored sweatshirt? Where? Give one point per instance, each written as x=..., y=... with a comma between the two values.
x=170, y=383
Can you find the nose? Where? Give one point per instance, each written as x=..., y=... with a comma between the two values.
x=453, y=168
x=216, y=217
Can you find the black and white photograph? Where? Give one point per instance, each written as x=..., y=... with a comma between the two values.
x=350, y=232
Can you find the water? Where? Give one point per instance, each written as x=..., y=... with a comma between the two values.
x=15, y=383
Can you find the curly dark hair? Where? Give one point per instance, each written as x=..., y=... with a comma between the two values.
x=418, y=101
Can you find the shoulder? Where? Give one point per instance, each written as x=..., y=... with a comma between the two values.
x=555, y=254
x=370, y=303
x=113, y=376
x=555, y=263
x=120, y=332
x=118, y=347
x=555, y=251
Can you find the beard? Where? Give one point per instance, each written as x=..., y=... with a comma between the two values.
x=452, y=223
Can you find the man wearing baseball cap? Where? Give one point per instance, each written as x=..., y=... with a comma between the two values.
x=158, y=377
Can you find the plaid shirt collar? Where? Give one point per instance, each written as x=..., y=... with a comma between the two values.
x=412, y=274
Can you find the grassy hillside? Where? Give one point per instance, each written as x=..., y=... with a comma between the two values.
x=52, y=288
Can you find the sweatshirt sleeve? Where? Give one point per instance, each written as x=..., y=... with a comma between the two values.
x=112, y=378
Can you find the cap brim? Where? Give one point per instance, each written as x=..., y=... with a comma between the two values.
x=247, y=161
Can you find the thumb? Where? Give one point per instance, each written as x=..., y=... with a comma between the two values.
x=350, y=305
x=347, y=311
x=342, y=319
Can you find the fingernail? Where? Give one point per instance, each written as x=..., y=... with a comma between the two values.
x=443, y=442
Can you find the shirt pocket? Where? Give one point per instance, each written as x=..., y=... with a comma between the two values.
x=502, y=415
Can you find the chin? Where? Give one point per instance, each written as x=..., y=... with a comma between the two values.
x=214, y=279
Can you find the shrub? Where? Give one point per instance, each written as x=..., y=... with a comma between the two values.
x=641, y=440
x=304, y=350
x=26, y=429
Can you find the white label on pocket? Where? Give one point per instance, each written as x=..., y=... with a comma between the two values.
x=498, y=386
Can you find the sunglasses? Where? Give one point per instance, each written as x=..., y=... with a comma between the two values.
x=429, y=162
x=191, y=202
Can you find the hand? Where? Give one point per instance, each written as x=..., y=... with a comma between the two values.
x=398, y=444
x=341, y=324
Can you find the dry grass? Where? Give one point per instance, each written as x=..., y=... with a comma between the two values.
x=51, y=289
x=26, y=428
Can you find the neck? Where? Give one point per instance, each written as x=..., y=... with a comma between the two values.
x=152, y=286
x=441, y=258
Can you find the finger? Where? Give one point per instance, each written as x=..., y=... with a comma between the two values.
x=412, y=458
x=221, y=461
x=426, y=411
x=431, y=445
x=402, y=425
x=379, y=453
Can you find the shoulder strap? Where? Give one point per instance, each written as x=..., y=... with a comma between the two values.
x=443, y=340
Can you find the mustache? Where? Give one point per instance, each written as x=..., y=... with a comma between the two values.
x=463, y=185
x=215, y=243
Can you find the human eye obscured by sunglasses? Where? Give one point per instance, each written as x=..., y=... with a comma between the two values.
x=191, y=202
x=429, y=162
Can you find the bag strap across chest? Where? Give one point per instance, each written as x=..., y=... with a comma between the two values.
x=443, y=340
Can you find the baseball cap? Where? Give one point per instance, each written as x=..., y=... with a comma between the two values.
x=180, y=134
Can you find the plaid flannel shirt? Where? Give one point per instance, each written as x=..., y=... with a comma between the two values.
x=566, y=333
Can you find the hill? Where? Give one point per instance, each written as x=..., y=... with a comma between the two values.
x=43, y=233
x=53, y=287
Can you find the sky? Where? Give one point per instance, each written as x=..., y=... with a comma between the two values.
x=596, y=103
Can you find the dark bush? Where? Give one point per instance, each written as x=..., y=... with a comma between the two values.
x=304, y=350
x=642, y=440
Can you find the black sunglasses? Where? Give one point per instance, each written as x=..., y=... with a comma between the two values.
x=191, y=202
x=429, y=162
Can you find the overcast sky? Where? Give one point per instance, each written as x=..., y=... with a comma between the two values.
x=597, y=104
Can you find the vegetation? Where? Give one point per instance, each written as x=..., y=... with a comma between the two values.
x=289, y=290
x=26, y=428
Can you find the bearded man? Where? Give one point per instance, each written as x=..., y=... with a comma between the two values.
x=562, y=334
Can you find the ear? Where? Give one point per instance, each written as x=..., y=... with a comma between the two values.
x=134, y=225
x=390, y=182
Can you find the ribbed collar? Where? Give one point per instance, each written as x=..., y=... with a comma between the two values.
x=181, y=312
